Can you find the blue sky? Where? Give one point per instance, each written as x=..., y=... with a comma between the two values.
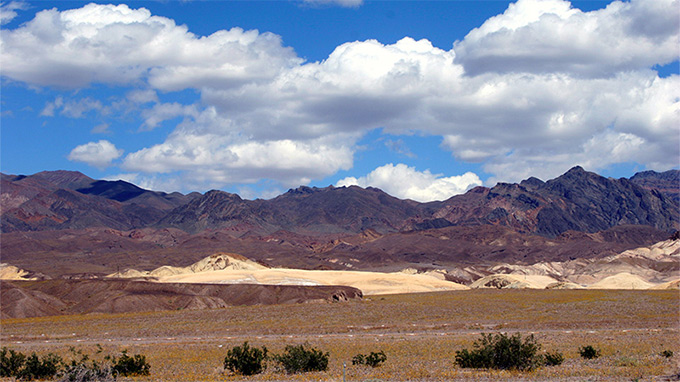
x=424, y=99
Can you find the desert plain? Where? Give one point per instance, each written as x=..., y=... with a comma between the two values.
x=419, y=333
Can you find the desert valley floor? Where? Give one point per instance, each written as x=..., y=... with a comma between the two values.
x=419, y=333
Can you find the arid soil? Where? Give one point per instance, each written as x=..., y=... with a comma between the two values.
x=419, y=333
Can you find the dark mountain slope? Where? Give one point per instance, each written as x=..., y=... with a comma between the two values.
x=585, y=201
x=309, y=210
x=70, y=200
x=668, y=182
x=577, y=201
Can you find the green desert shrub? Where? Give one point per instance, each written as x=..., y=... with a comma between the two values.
x=301, y=359
x=11, y=362
x=588, y=352
x=36, y=368
x=373, y=359
x=130, y=366
x=553, y=359
x=500, y=351
x=246, y=360
x=667, y=353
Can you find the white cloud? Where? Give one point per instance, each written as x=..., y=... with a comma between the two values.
x=217, y=159
x=164, y=111
x=50, y=107
x=8, y=10
x=548, y=36
x=116, y=44
x=406, y=182
x=97, y=154
x=74, y=108
x=553, y=87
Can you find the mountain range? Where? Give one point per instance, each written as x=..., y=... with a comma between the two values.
x=65, y=224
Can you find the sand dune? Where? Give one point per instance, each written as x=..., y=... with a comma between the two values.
x=228, y=268
x=10, y=272
x=370, y=283
x=675, y=284
x=621, y=281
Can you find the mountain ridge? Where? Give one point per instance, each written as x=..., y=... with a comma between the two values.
x=577, y=200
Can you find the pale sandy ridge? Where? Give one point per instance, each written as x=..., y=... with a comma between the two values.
x=228, y=268
x=640, y=268
x=10, y=272
x=621, y=281
x=370, y=283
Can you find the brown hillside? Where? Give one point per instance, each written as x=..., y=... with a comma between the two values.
x=52, y=297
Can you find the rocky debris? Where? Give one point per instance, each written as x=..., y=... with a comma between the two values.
x=564, y=285
x=504, y=281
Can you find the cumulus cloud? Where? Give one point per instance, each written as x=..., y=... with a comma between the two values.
x=547, y=36
x=97, y=154
x=406, y=182
x=218, y=160
x=115, y=44
x=541, y=87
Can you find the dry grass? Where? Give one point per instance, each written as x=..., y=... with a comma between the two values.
x=419, y=333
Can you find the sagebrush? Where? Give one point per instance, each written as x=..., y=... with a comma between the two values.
x=246, y=360
x=500, y=351
x=18, y=365
x=127, y=366
x=589, y=352
x=373, y=359
x=302, y=359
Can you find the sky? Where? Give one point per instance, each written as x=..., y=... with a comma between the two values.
x=423, y=99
